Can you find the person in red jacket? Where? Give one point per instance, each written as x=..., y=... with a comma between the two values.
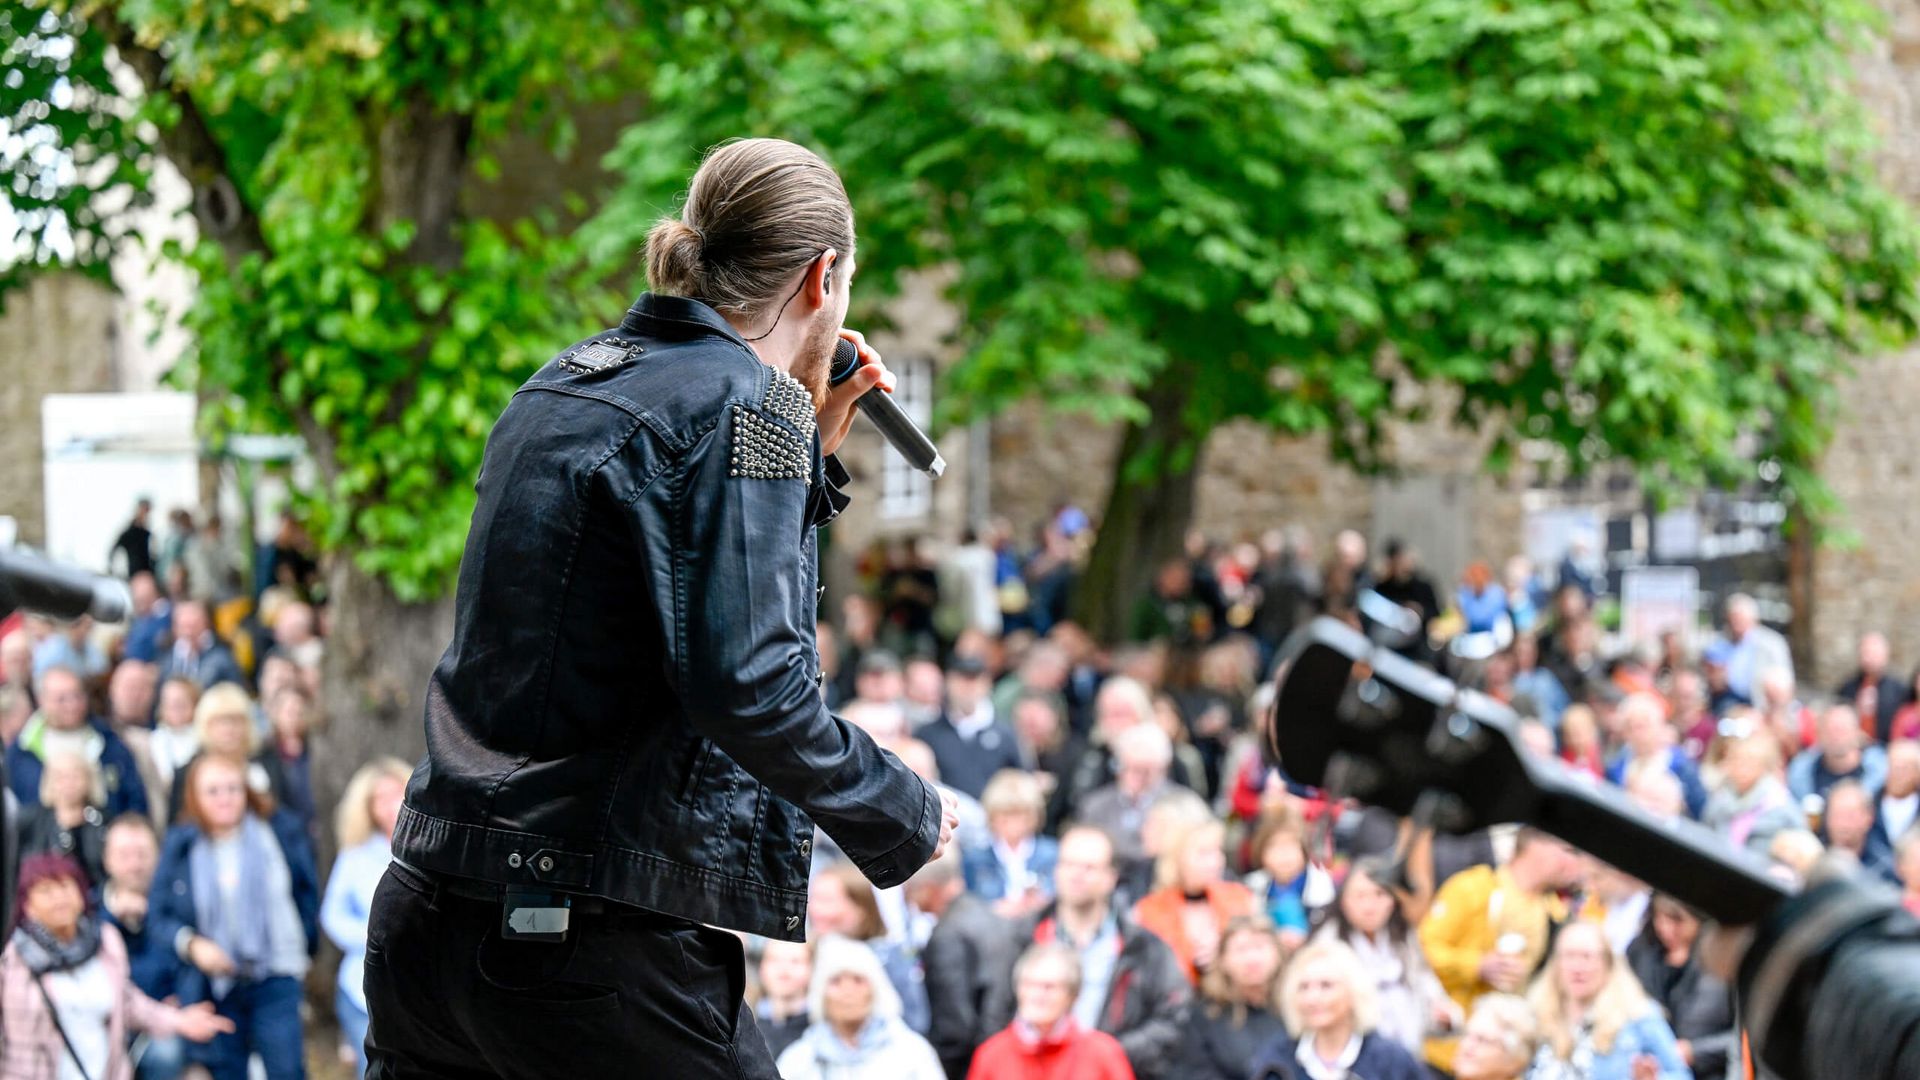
x=1044, y=1042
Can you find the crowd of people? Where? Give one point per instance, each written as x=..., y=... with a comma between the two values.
x=1139, y=891
x=1134, y=891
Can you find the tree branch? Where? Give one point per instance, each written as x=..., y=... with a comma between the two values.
x=218, y=205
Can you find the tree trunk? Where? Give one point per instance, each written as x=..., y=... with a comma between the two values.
x=380, y=651
x=1148, y=511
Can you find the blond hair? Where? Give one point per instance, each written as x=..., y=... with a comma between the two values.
x=1517, y=1022
x=223, y=699
x=1013, y=791
x=1173, y=847
x=353, y=818
x=96, y=789
x=1360, y=985
x=1619, y=1002
x=756, y=212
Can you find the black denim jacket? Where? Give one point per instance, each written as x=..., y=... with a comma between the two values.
x=630, y=707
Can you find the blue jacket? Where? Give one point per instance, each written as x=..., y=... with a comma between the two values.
x=1380, y=1059
x=125, y=791
x=153, y=964
x=1682, y=769
x=172, y=902
x=630, y=706
x=1648, y=1035
x=987, y=879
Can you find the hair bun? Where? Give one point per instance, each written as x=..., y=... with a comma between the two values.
x=675, y=262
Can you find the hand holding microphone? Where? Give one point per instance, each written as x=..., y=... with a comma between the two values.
x=857, y=370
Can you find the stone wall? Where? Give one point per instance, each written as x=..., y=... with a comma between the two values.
x=1870, y=578
x=59, y=335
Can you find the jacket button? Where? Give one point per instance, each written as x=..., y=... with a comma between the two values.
x=806, y=846
x=793, y=922
x=546, y=864
x=513, y=860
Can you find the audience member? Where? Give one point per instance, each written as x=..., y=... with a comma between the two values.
x=841, y=901
x=856, y=1031
x=786, y=967
x=1596, y=1022
x=1143, y=754
x=151, y=621
x=63, y=726
x=1289, y=889
x=1327, y=999
x=1500, y=1040
x=1015, y=869
x=967, y=949
x=1841, y=752
x=175, y=739
x=74, y=648
x=1847, y=825
x=1906, y=863
x=1194, y=900
x=132, y=854
x=289, y=720
x=1906, y=721
x=1666, y=959
x=1238, y=1011
x=1045, y=1040
x=1752, y=805
x=1131, y=984
x=240, y=878
x=67, y=820
x=1755, y=647
x=1367, y=918
x=968, y=740
x=1649, y=745
x=1898, y=806
x=363, y=827
x=1488, y=928
x=68, y=1004
x=195, y=652
x=1875, y=693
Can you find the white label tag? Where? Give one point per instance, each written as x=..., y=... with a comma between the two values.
x=538, y=920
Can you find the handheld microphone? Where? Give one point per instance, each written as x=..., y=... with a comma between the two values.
x=46, y=588
x=887, y=415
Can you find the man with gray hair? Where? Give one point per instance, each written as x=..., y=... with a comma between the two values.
x=1045, y=1042
x=1142, y=755
x=1755, y=647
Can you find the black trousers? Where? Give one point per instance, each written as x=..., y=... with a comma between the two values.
x=628, y=993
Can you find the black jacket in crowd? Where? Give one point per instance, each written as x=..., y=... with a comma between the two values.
x=1699, y=1007
x=630, y=706
x=967, y=764
x=1219, y=1046
x=968, y=950
x=1147, y=1001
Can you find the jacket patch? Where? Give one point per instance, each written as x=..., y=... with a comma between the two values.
x=764, y=450
x=789, y=401
x=597, y=356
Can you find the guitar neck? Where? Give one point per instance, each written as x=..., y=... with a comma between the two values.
x=1675, y=856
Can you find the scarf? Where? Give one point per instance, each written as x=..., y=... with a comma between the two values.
x=244, y=931
x=826, y=1047
x=43, y=953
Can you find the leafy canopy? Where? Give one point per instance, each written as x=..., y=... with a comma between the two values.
x=1638, y=229
x=1645, y=230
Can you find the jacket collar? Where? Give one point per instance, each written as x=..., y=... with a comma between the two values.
x=678, y=318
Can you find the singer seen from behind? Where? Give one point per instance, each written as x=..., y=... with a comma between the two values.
x=626, y=741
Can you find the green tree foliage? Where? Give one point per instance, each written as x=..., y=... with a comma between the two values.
x=1640, y=230
x=344, y=292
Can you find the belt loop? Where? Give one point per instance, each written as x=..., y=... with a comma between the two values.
x=439, y=890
